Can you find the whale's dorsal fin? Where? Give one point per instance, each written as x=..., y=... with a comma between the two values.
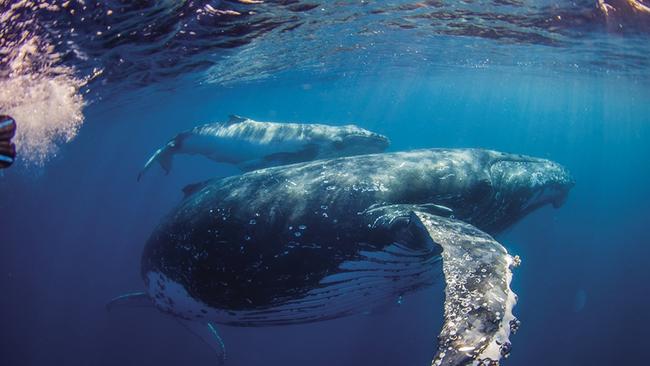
x=478, y=298
x=233, y=119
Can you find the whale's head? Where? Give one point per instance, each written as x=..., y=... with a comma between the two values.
x=353, y=140
x=523, y=184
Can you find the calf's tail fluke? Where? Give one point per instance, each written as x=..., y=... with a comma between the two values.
x=163, y=156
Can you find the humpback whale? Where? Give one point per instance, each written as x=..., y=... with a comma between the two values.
x=330, y=238
x=7, y=148
x=250, y=144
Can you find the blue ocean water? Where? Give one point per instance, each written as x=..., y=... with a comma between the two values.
x=73, y=228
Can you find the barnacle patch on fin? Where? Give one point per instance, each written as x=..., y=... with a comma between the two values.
x=478, y=299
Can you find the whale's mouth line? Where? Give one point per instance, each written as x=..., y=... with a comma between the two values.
x=555, y=200
x=532, y=207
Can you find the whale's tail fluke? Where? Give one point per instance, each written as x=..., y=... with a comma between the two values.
x=163, y=156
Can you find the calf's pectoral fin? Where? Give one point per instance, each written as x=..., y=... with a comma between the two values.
x=207, y=333
x=478, y=299
x=307, y=153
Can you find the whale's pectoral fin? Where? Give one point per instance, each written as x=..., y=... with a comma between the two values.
x=130, y=300
x=207, y=332
x=478, y=298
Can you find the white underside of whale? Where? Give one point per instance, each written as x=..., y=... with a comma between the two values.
x=478, y=298
x=359, y=286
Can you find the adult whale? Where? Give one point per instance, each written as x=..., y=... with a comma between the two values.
x=329, y=238
x=250, y=144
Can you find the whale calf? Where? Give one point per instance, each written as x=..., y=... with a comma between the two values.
x=250, y=144
x=330, y=238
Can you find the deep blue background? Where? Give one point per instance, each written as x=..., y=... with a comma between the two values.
x=72, y=232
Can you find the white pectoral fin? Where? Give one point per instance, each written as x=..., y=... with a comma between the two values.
x=306, y=153
x=130, y=300
x=207, y=333
x=478, y=299
x=253, y=164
